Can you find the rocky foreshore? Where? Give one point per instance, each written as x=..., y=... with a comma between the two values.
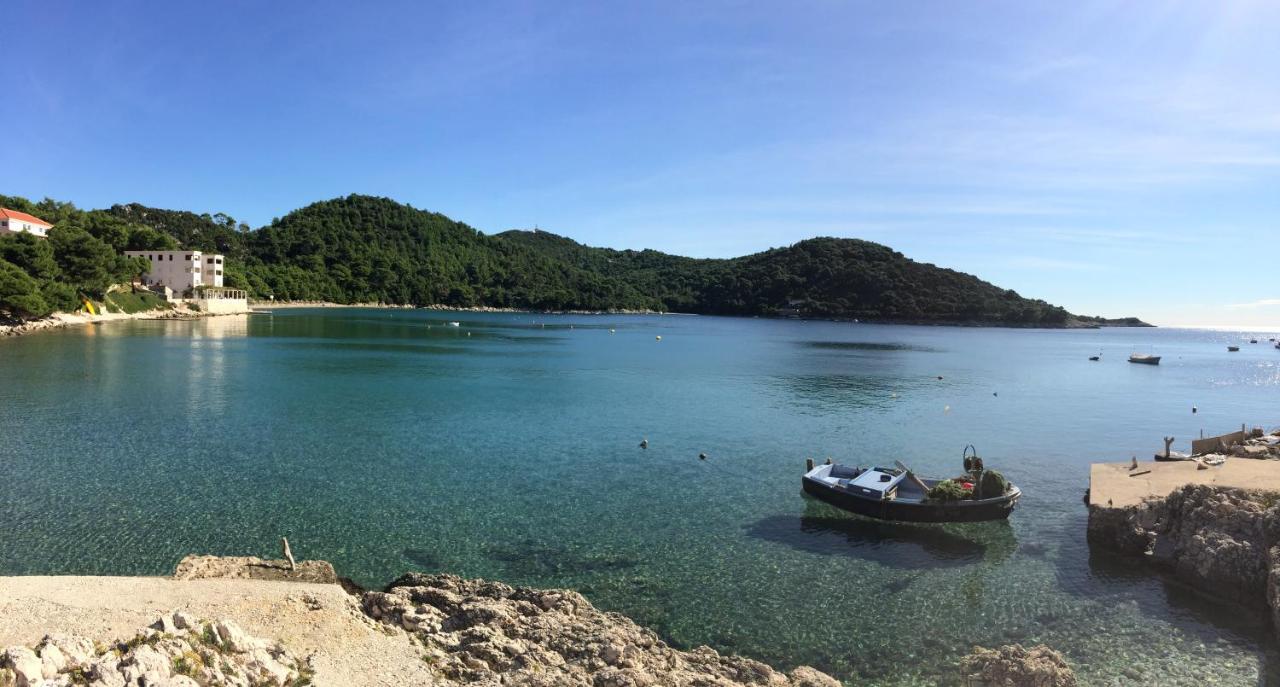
x=59, y=320
x=1223, y=541
x=175, y=651
x=455, y=631
x=246, y=621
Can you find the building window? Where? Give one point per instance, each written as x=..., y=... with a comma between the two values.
x=219, y=273
x=210, y=261
x=170, y=258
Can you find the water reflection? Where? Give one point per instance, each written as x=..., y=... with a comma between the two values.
x=895, y=545
x=864, y=346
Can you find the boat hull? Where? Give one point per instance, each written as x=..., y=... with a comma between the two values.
x=911, y=511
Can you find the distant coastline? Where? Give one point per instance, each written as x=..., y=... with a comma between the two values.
x=1098, y=323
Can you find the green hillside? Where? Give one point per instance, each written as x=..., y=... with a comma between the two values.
x=368, y=249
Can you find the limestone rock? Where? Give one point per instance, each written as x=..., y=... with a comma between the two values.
x=1014, y=666
x=189, y=653
x=1222, y=540
x=26, y=666
x=491, y=633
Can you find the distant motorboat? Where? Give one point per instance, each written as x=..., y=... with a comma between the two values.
x=1233, y=349
x=1144, y=359
x=455, y=324
x=1253, y=341
x=1095, y=357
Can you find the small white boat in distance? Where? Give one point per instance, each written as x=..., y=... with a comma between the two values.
x=455, y=324
x=1144, y=359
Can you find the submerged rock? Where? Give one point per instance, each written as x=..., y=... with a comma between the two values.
x=1014, y=666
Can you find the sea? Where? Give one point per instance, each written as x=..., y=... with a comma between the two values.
x=507, y=446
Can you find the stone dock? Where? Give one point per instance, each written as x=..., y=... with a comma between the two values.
x=1214, y=527
x=1117, y=485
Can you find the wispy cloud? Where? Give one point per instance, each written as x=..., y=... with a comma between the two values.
x=1037, y=262
x=1262, y=303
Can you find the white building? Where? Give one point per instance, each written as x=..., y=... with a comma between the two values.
x=181, y=270
x=13, y=222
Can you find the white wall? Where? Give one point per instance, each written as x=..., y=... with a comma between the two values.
x=177, y=269
x=13, y=226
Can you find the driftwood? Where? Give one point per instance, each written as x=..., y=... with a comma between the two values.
x=288, y=555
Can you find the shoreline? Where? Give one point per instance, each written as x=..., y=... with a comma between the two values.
x=263, y=306
x=428, y=629
x=216, y=615
x=61, y=320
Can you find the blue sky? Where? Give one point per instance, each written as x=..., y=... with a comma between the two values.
x=1112, y=157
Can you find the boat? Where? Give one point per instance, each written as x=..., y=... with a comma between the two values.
x=1253, y=341
x=1173, y=457
x=1233, y=349
x=1095, y=357
x=1144, y=359
x=897, y=494
x=455, y=324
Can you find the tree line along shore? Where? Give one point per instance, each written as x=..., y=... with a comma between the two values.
x=364, y=249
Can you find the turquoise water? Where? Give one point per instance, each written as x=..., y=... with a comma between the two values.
x=506, y=448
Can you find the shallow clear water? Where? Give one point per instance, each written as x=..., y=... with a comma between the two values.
x=506, y=448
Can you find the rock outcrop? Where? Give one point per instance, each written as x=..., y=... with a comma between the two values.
x=1014, y=666
x=176, y=651
x=1221, y=540
x=1259, y=446
x=489, y=633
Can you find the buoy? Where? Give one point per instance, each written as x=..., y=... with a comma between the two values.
x=658, y=338
x=702, y=456
x=993, y=393
x=610, y=331
x=1194, y=410
x=946, y=409
x=939, y=376
x=644, y=443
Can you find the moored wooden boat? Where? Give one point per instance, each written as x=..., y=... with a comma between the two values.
x=1144, y=359
x=897, y=494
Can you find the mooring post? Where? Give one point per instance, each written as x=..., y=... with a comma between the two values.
x=284, y=546
x=808, y=465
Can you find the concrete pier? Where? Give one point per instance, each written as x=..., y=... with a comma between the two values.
x=1110, y=484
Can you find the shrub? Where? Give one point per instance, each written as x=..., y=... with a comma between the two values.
x=19, y=293
x=59, y=296
x=949, y=490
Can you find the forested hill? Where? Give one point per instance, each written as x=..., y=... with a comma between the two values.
x=821, y=277
x=368, y=249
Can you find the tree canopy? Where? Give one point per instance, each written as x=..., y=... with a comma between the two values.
x=360, y=249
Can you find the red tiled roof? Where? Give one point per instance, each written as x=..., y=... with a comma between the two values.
x=6, y=213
